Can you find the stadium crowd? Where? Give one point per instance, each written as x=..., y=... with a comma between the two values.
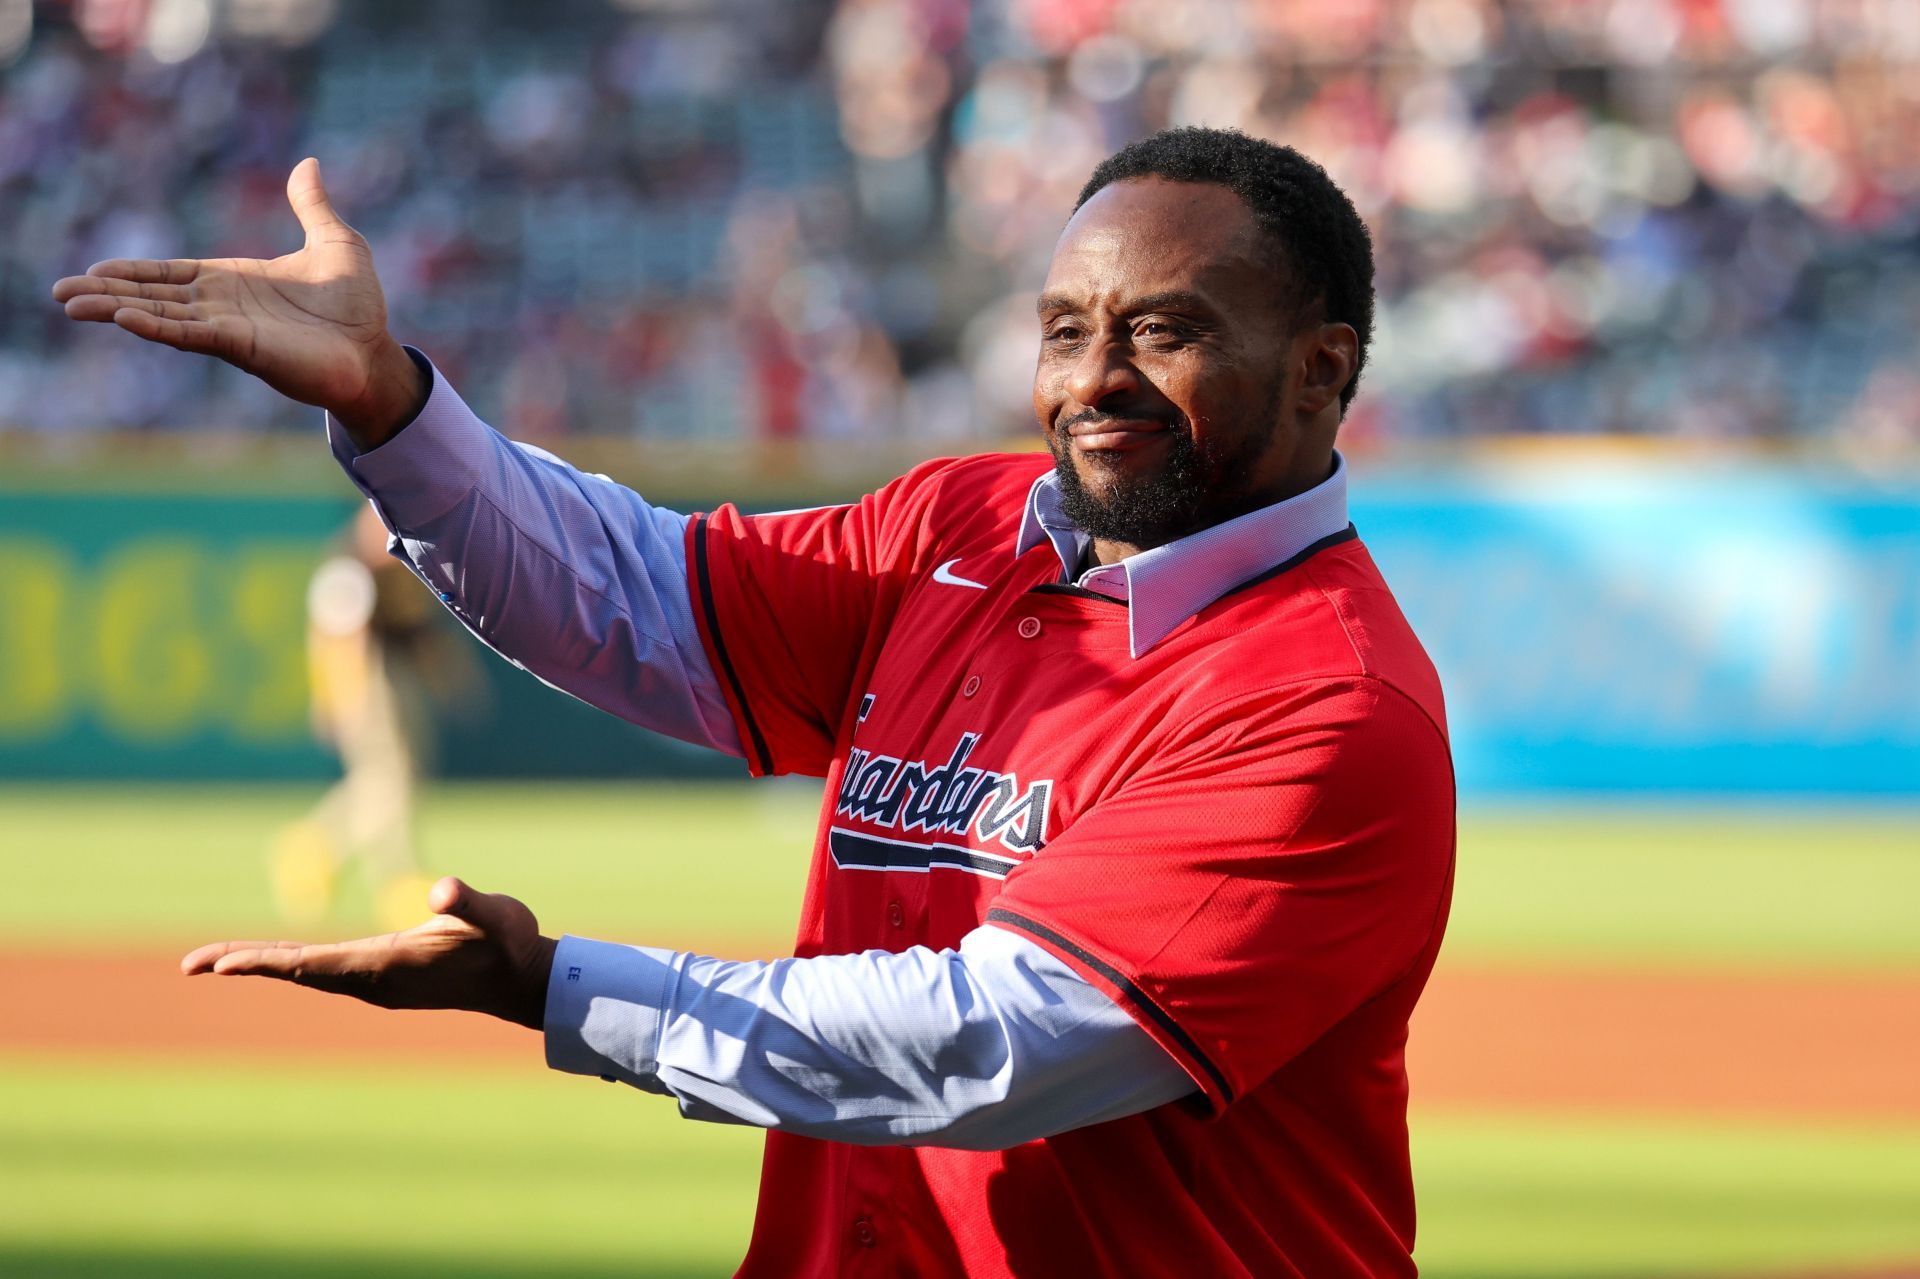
x=1692, y=218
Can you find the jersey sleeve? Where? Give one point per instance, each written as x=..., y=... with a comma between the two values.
x=793, y=605
x=1281, y=864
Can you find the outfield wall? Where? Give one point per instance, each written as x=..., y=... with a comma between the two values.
x=1604, y=628
x=1600, y=627
x=163, y=637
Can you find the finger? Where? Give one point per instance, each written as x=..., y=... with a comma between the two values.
x=308, y=196
x=492, y=913
x=83, y=285
x=147, y=270
x=182, y=335
x=349, y=967
x=288, y=962
x=445, y=896
x=202, y=959
x=95, y=306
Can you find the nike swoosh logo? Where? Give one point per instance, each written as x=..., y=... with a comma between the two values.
x=944, y=575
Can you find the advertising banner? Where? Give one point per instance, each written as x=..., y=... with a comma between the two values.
x=1600, y=630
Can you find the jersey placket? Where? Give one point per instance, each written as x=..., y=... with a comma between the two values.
x=1003, y=681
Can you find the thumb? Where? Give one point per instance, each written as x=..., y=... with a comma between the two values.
x=309, y=199
x=491, y=913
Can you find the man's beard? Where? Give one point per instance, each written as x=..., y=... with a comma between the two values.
x=1146, y=510
x=1191, y=491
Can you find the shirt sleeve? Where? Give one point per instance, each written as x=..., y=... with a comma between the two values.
x=793, y=605
x=982, y=1048
x=1282, y=863
x=566, y=574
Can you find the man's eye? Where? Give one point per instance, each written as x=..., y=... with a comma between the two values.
x=1159, y=330
x=1063, y=333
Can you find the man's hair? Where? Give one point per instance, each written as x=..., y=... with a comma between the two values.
x=1323, y=246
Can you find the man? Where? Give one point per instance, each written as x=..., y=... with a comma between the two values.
x=1138, y=838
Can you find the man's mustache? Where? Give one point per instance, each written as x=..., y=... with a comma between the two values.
x=1173, y=420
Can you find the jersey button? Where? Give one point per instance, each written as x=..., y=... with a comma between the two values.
x=971, y=687
x=1029, y=627
x=896, y=916
x=863, y=1232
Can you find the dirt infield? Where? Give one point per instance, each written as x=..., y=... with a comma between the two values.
x=1839, y=1047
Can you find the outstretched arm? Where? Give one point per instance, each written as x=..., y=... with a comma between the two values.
x=570, y=575
x=984, y=1047
x=980, y=1048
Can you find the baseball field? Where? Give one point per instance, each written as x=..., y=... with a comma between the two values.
x=1661, y=1042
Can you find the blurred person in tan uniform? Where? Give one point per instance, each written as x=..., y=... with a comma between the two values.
x=372, y=661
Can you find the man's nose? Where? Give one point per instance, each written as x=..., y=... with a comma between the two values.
x=1103, y=371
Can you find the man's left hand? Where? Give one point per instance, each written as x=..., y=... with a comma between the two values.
x=481, y=952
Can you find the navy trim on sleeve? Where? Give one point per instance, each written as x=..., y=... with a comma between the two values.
x=761, y=754
x=1133, y=994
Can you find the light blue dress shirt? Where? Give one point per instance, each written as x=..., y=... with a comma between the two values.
x=583, y=583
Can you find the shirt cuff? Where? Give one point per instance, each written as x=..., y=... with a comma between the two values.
x=605, y=1005
x=429, y=465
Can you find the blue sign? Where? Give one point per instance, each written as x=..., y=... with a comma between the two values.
x=1742, y=630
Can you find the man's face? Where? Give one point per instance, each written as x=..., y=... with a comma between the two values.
x=1163, y=353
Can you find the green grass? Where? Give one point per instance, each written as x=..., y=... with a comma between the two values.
x=720, y=864
x=225, y=1171
x=215, y=1171
x=1753, y=886
x=675, y=864
x=1529, y=1196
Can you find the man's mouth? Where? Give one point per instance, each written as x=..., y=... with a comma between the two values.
x=1115, y=434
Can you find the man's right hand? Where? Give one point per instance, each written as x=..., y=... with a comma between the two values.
x=312, y=324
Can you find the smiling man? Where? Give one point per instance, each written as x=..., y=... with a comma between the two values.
x=1138, y=838
x=1173, y=321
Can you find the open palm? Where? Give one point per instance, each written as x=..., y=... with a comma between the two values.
x=481, y=952
x=311, y=324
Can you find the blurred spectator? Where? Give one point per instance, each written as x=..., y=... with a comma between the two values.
x=780, y=219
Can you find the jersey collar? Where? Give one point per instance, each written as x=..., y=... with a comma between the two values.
x=1165, y=586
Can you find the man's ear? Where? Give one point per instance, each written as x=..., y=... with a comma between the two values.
x=1327, y=355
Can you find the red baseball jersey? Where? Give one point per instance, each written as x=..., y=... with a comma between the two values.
x=1244, y=835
